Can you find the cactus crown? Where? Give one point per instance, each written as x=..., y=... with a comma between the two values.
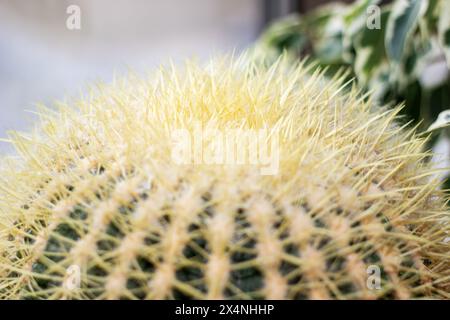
x=96, y=187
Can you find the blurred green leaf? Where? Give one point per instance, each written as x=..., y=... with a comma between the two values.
x=432, y=14
x=442, y=121
x=444, y=28
x=354, y=22
x=286, y=34
x=370, y=51
x=401, y=25
x=330, y=50
x=358, y=9
x=317, y=21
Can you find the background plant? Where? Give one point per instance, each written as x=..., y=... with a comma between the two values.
x=399, y=51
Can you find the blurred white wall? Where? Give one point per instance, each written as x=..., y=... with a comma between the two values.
x=41, y=60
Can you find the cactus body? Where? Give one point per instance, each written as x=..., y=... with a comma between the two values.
x=96, y=188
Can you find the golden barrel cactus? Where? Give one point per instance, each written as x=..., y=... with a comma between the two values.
x=95, y=192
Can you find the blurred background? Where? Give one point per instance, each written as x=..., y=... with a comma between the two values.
x=42, y=60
